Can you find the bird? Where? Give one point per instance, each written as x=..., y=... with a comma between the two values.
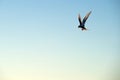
x=82, y=22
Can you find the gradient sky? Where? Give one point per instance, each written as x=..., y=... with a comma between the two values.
x=40, y=40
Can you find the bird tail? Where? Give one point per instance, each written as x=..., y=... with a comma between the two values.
x=84, y=29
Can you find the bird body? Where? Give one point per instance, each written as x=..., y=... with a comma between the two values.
x=82, y=27
x=82, y=22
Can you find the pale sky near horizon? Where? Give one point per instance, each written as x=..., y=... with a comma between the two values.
x=40, y=40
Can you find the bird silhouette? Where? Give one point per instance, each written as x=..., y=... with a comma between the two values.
x=82, y=22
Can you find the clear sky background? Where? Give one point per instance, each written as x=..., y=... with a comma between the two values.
x=40, y=40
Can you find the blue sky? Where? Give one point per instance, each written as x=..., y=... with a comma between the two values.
x=40, y=39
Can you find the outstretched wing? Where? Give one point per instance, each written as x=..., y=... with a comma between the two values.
x=79, y=18
x=86, y=17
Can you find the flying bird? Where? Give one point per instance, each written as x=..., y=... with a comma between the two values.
x=82, y=22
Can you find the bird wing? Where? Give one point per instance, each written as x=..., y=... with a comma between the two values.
x=86, y=17
x=79, y=18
